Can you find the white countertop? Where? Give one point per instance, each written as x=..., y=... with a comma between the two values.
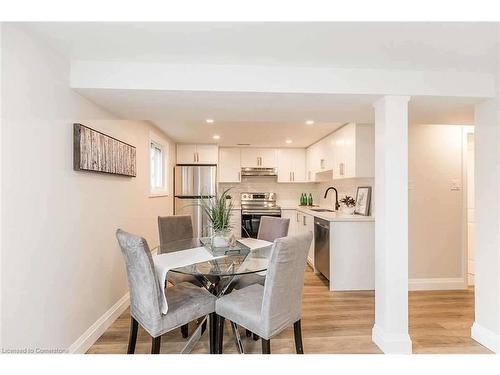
x=333, y=216
x=329, y=216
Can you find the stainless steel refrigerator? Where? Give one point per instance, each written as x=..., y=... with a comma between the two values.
x=191, y=183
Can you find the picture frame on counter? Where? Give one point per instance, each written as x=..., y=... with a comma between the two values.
x=363, y=200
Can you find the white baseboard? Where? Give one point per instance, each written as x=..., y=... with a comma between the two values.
x=90, y=336
x=391, y=343
x=485, y=337
x=437, y=284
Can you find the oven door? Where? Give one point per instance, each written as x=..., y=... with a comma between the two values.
x=250, y=222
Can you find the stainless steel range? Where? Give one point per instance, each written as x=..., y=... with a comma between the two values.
x=253, y=207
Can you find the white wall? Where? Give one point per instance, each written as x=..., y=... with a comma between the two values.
x=436, y=211
x=62, y=268
x=486, y=328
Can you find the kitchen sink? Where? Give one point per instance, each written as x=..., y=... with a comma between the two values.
x=321, y=210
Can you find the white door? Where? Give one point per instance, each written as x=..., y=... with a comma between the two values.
x=229, y=165
x=285, y=165
x=268, y=157
x=312, y=161
x=308, y=226
x=250, y=157
x=298, y=157
x=290, y=214
x=186, y=154
x=349, y=151
x=207, y=154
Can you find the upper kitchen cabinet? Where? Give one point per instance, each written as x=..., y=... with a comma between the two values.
x=347, y=153
x=292, y=165
x=197, y=154
x=353, y=151
x=229, y=165
x=259, y=157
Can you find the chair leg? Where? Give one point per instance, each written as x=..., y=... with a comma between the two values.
x=184, y=331
x=266, y=346
x=248, y=333
x=220, y=334
x=132, y=339
x=297, y=332
x=155, y=345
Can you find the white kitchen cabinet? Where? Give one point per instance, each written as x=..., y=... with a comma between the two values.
x=354, y=151
x=291, y=165
x=305, y=223
x=259, y=157
x=197, y=154
x=229, y=165
x=235, y=222
x=348, y=152
x=292, y=215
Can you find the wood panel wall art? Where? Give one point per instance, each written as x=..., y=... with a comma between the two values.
x=97, y=152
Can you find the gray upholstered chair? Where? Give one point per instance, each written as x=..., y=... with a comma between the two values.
x=270, y=229
x=175, y=228
x=186, y=302
x=267, y=310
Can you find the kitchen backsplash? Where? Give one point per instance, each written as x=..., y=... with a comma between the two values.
x=345, y=187
x=288, y=195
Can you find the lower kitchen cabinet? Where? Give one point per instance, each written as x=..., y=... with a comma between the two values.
x=301, y=223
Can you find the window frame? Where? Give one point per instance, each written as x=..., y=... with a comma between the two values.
x=156, y=141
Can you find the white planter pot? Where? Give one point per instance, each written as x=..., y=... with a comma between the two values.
x=221, y=239
x=348, y=210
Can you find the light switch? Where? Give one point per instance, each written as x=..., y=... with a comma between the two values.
x=455, y=185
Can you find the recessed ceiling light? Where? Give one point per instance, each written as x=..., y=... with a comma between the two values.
x=309, y=122
x=288, y=141
x=216, y=136
x=209, y=120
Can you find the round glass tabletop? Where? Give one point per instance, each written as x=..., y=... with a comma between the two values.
x=248, y=256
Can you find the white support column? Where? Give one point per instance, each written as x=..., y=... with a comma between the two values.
x=390, y=331
x=486, y=327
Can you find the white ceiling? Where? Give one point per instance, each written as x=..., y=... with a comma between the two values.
x=266, y=119
x=465, y=46
x=263, y=119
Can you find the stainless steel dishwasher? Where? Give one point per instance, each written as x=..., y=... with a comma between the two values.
x=322, y=246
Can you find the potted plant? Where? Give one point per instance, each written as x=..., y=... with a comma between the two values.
x=218, y=211
x=348, y=205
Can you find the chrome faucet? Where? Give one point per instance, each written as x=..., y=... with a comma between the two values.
x=337, y=205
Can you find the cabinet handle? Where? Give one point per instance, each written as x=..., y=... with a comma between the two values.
x=293, y=176
x=303, y=220
x=341, y=169
x=289, y=176
x=297, y=217
x=194, y=157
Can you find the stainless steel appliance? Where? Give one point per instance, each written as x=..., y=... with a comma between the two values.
x=259, y=172
x=253, y=207
x=191, y=183
x=322, y=246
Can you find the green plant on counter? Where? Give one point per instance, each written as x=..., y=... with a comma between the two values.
x=348, y=201
x=218, y=210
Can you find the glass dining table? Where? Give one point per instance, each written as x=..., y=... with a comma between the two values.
x=216, y=273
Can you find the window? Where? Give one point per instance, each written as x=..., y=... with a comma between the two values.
x=158, y=178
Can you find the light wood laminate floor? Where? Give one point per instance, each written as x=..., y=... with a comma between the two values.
x=335, y=322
